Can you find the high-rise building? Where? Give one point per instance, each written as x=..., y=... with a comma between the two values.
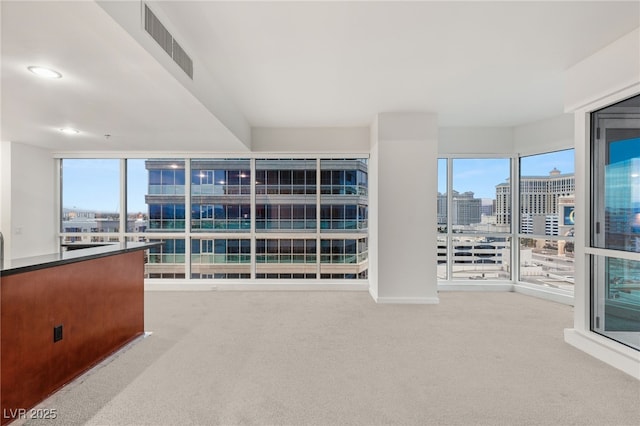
x=301, y=230
x=539, y=197
x=466, y=209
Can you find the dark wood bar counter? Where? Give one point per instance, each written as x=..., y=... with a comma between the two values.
x=63, y=313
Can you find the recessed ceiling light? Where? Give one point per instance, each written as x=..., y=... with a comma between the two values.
x=70, y=131
x=44, y=72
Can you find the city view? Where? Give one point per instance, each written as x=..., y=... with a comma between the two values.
x=479, y=215
x=480, y=220
x=311, y=215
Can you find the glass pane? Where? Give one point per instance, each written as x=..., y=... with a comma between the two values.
x=481, y=258
x=221, y=259
x=290, y=179
x=548, y=263
x=617, y=299
x=286, y=258
x=547, y=193
x=155, y=195
x=344, y=177
x=478, y=186
x=166, y=261
x=615, y=152
x=137, y=209
x=622, y=194
x=90, y=195
x=226, y=185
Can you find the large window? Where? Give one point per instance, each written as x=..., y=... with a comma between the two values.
x=220, y=195
x=547, y=219
x=615, y=225
x=344, y=196
x=90, y=200
x=220, y=258
x=166, y=194
x=226, y=218
x=479, y=237
x=167, y=260
x=474, y=219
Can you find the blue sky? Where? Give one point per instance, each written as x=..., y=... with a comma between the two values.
x=482, y=175
x=624, y=150
x=92, y=184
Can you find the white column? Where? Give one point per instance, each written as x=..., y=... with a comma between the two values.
x=402, y=204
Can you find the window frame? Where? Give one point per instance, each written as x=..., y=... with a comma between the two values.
x=311, y=192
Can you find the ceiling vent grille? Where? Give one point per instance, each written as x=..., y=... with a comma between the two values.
x=182, y=59
x=164, y=38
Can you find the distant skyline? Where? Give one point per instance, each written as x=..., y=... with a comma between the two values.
x=481, y=175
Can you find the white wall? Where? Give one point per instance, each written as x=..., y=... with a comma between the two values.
x=33, y=226
x=310, y=139
x=611, y=70
x=404, y=155
x=552, y=134
x=606, y=77
x=475, y=140
x=5, y=195
x=204, y=87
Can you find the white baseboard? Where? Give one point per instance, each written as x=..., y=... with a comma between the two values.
x=408, y=300
x=560, y=296
x=237, y=286
x=373, y=293
x=477, y=286
x=179, y=287
x=606, y=350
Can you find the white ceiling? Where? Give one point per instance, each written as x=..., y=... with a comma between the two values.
x=289, y=64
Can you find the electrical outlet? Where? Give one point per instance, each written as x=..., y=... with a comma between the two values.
x=57, y=333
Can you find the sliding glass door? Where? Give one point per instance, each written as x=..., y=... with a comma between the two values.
x=615, y=225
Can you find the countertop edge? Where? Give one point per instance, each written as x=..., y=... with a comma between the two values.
x=75, y=257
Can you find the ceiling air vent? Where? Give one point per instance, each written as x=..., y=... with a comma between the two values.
x=164, y=38
x=182, y=59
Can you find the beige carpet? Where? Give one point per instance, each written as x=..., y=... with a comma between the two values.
x=337, y=358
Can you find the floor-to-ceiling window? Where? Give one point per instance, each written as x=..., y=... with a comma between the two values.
x=156, y=211
x=547, y=213
x=474, y=219
x=225, y=218
x=477, y=225
x=220, y=218
x=90, y=200
x=614, y=246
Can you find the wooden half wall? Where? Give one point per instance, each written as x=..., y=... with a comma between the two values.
x=98, y=302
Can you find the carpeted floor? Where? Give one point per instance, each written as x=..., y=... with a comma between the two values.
x=337, y=358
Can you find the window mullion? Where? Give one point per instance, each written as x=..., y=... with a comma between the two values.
x=450, y=259
x=123, y=201
x=187, y=219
